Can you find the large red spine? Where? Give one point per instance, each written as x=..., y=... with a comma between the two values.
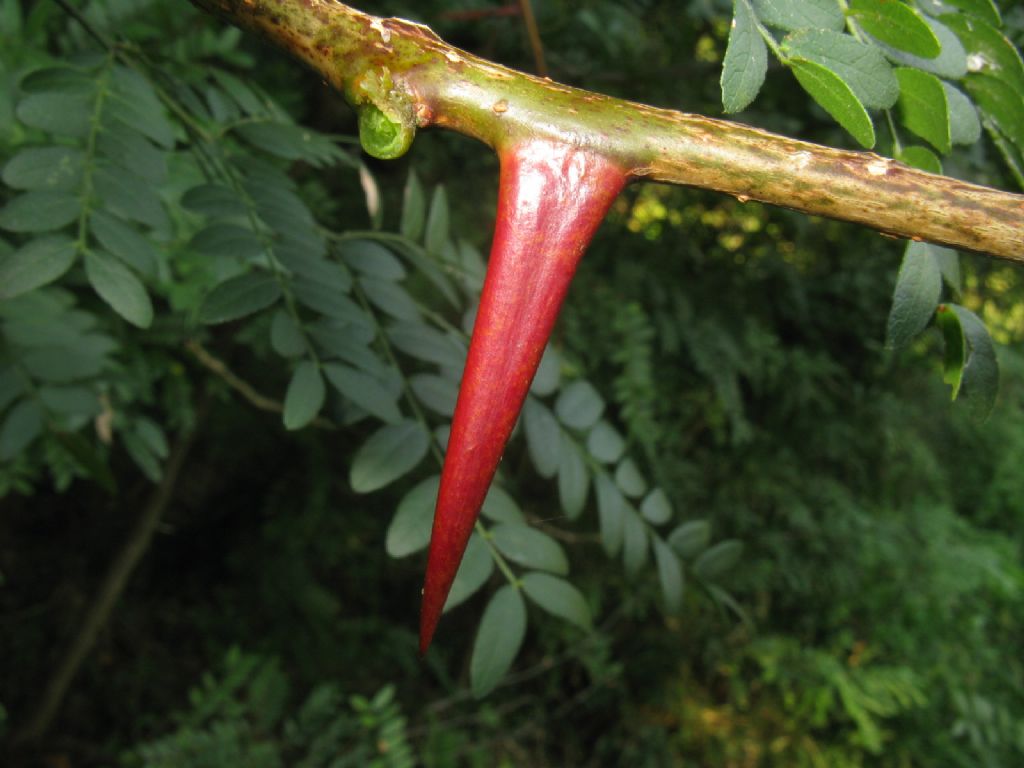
x=551, y=199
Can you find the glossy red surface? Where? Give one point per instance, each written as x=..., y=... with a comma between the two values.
x=552, y=198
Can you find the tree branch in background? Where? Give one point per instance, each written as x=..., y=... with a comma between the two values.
x=220, y=369
x=110, y=591
x=401, y=77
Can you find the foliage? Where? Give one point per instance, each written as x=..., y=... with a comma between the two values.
x=733, y=528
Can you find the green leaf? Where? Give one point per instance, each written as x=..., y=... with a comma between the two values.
x=142, y=456
x=425, y=343
x=982, y=9
x=286, y=336
x=573, y=479
x=800, y=14
x=57, y=113
x=980, y=378
x=950, y=63
x=414, y=208
x=239, y=297
x=836, y=98
x=71, y=401
x=391, y=452
x=123, y=241
x=861, y=66
x=49, y=168
x=214, y=200
x=558, y=597
x=629, y=479
x=691, y=538
x=390, y=297
x=923, y=107
x=136, y=103
x=437, y=222
x=61, y=80
x=129, y=196
x=498, y=640
x=670, y=574
x=956, y=347
x=64, y=364
x=605, y=443
x=611, y=512
x=329, y=301
x=41, y=211
x=579, y=405
x=151, y=434
x=133, y=152
x=717, y=560
x=917, y=292
x=948, y=262
x=543, y=437
x=502, y=508
x=475, y=569
x=438, y=393
x=964, y=126
x=897, y=25
x=921, y=158
x=529, y=547
x=119, y=287
x=549, y=372
x=305, y=396
x=10, y=19
x=285, y=140
x=746, y=60
x=989, y=52
x=231, y=241
x=372, y=259
x=89, y=459
x=1001, y=104
x=409, y=531
x=656, y=508
x=23, y=424
x=11, y=387
x=365, y=391
x=634, y=546
x=37, y=263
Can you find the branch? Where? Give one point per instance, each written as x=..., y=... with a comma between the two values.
x=110, y=591
x=400, y=77
x=220, y=369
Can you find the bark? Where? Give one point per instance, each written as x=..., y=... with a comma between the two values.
x=401, y=77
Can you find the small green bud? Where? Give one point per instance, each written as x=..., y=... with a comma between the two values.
x=381, y=136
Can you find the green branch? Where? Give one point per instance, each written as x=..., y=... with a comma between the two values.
x=402, y=77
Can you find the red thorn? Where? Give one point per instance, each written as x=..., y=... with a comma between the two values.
x=551, y=199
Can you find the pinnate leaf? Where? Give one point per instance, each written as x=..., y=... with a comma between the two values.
x=239, y=297
x=917, y=292
x=119, y=287
x=391, y=452
x=529, y=547
x=409, y=530
x=558, y=597
x=923, y=107
x=305, y=396
x=35, y=264
x=746, y=59
x=498, y=640
x=897, y=25
x=835, y=97
x=670, y=574
x=39, y=211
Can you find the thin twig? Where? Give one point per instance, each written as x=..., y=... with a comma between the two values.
x=242, y=387
x=534, y=34
x=110, y=591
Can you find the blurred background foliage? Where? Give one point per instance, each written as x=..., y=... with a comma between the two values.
x=848, y=543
